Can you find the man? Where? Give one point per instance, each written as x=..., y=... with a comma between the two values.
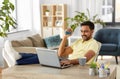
x=85, y=47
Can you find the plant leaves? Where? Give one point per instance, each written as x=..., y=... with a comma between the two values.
x=6, y=18
x=81, y=17
x=3, y=34
x=6, y=1
x=1, y=19
x=88, y=13
x=94, y=17
x=12, y=6
x=93, y=65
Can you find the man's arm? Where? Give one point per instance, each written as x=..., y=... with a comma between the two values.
x=64, y=51
x=90, y=54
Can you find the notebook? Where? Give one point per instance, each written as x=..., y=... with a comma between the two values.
x=48, y=57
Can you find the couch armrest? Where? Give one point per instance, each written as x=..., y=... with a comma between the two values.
x=25, y=49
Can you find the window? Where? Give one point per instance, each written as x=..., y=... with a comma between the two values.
x=111, y=11
x=22, y=14
x=107, y=9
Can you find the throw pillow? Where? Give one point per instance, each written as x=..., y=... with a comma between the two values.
x=37, y=41
x=53, y=41
x=21, y=43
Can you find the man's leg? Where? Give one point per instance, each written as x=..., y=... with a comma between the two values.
x=28, y=59
x=10, y=55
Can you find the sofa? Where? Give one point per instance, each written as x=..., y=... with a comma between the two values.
x=29, y=44
x=110, y=39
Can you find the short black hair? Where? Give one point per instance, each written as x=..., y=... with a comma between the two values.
x=89, y=24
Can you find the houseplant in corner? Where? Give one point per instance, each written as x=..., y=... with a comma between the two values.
x=81, y=17
x=6, y=19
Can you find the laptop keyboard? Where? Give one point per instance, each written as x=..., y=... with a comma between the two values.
x=65, y=65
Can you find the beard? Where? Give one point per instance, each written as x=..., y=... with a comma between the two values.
x=85, y=38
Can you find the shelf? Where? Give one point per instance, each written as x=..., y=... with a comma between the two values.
x=53, y=19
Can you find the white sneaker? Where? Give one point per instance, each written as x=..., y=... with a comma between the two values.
x=10, y=50
x=8, y=58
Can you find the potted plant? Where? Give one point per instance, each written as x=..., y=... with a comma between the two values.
x=93, y=70
x=6, y=19
x=47, y=12
x=81, y=17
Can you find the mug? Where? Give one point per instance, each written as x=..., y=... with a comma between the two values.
x=82, y=61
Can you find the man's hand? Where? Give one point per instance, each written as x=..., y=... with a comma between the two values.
x=68, y=32
x=63, y=62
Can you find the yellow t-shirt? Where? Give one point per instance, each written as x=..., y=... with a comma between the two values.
x=80, y=48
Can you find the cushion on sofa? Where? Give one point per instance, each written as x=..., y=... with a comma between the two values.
x=52, y=41
x=37, y=41
x=109, y=47
x=22, y=43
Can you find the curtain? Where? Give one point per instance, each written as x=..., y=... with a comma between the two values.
x=94, y=7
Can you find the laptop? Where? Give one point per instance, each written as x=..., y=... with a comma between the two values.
x=48, y=57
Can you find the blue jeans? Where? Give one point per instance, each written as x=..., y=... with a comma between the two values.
x=28, y=58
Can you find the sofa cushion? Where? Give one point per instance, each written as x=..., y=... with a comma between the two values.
x=109, y=47
x=53, y=41
x=37, y=41
x=20, y=43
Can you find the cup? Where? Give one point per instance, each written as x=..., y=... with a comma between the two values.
x=67, y=33
x=82, y=61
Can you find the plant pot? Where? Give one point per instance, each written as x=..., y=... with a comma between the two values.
x=47, y=13
x=93, y=71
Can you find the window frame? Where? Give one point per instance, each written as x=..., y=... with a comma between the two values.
x=113, y=15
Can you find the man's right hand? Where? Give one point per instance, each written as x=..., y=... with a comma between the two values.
x=65, y=62
x=68, y=32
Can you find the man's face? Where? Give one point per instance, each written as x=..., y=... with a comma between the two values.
x=86, y=33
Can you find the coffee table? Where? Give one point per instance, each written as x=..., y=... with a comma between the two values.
x=41, y=72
